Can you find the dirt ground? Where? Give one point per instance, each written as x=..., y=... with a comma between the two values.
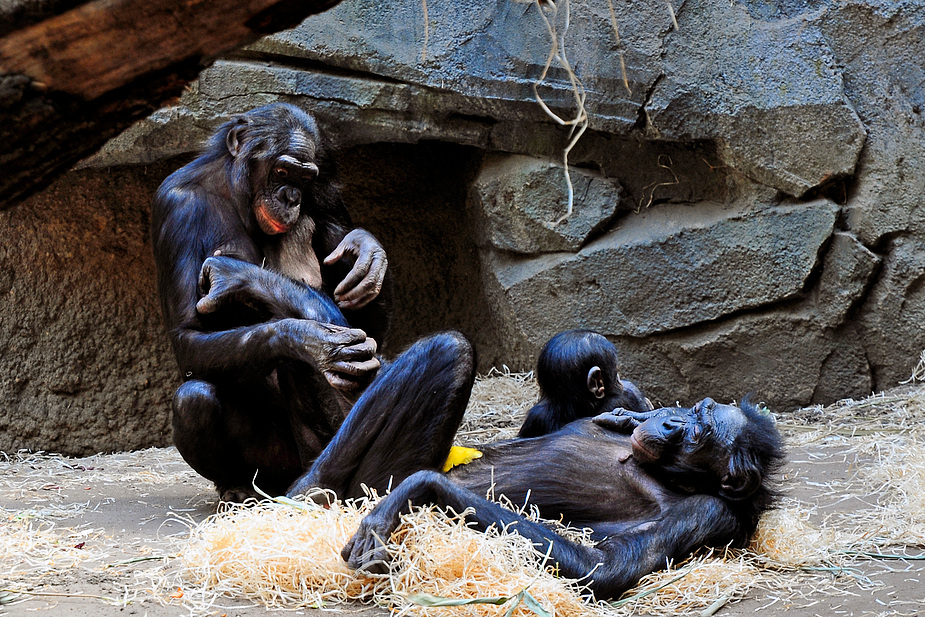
x=96, y=535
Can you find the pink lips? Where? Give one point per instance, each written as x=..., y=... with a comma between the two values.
x=268, y=223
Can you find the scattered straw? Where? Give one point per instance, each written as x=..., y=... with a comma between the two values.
x=499, y=403
x=289, y=557
x=30, y=548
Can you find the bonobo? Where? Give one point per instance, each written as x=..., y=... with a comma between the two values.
x=578, y=375
x=273, y=301
x=652, y=486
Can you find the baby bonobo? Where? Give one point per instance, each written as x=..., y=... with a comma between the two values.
x=652, y=485
x=578, y=375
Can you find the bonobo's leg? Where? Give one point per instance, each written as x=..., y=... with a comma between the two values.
x=404, y=422
x=226, y=440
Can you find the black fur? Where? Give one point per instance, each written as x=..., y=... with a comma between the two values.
x=256, y=395
x=642, y=512
x=561, y=373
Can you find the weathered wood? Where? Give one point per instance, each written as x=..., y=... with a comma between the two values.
x=72, y=80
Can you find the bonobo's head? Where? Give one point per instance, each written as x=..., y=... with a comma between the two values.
x=579, y=369
x=712, y=449
x=274, y=152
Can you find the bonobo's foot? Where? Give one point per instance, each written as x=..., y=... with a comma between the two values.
x=311, y=488
x=236, y=494
x=302, y=485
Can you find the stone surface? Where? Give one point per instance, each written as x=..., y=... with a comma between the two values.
x=886, y=39
x=769, y=89
x=85, y=365
x=847, y=272
x=782, y=357
x=664, y=269
x=789, y=357
x=520, y=204
x=767, y=158
x=894, y=313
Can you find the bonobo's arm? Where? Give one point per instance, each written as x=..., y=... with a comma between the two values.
x=614, y=564
x=346, y=357
x=225, y=280
x=355, y=271
x=685, y=525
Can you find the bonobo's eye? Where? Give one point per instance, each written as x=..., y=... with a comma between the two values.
x=697, y=433
x=281, y=172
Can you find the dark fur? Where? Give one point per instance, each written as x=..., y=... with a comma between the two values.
x=587, y=474
x=561, y=373
x=248, y=404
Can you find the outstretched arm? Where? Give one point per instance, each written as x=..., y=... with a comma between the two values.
x=366, y=549
x=611, y=567
x=684, y=526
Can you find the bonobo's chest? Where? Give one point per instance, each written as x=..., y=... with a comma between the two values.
x=582, y=473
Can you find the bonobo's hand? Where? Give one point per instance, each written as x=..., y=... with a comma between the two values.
x=367, y=550
x=345, y=356
x=625, y=421
x=222, y=280
x=364, y=281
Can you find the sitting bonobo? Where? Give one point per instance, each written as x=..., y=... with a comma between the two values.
x=651, y=485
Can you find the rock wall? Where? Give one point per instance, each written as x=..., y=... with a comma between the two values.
x=84, y=356
x=747, y=211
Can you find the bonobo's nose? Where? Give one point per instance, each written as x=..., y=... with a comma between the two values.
x=290, y=196
x=672, y=427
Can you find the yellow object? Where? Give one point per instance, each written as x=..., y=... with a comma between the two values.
x=460, y=456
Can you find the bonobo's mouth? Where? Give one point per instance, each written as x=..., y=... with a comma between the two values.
x=642, y=453
x=267, y=223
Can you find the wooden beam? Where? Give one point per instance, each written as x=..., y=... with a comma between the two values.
x=73, y=80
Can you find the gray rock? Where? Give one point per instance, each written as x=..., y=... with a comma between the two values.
x=893, y=315
x=520, y=205
x=493, y=52
x=847, y=271
x=664, y=269
x=886, y=40
x=784, y=358
x=769, y=90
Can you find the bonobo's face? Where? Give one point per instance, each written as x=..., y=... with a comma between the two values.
x=279, y=183
x=696, y=441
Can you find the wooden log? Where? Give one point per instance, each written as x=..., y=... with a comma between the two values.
x=72, y=80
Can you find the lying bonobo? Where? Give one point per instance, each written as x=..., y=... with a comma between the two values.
x=652, y=486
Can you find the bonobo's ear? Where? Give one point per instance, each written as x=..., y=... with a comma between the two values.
x=596, y=382
x=739, y=486
x=236, y=135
